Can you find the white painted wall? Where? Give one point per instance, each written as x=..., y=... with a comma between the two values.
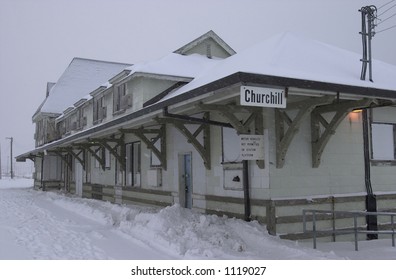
x=144, y=88
x=52, y=168
x=216, y=50
x=100, y=176
x=342, y=164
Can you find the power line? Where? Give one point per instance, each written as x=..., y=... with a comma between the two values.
x=387, y=10
x=386, y=29
x=386, y=4
x=382, y=21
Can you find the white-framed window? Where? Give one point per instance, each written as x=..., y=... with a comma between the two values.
x=231, y=161
x=383, y=134
x=383, y=141
x=121, y=99
x=107, y=158
x=88, y=159
x=133, y=164
x=231, y=146
x=81, y=119
x=99, y=109
x=105, y=155
x=154, y=160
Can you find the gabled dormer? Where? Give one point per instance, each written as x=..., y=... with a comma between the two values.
x=144, y=84
x=209, y=44
x=44, y=122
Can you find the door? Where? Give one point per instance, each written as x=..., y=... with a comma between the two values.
x=186, y=188
x=79, y=178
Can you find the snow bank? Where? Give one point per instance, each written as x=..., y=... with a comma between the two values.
x=49, y=225
x=8, y=183
x=188, y=234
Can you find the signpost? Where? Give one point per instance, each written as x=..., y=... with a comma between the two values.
x=252, y=146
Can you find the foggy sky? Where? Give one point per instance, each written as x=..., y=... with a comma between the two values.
x=39, y=38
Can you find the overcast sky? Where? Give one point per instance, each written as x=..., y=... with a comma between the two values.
x=39, y=38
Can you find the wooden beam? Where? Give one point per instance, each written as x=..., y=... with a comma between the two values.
x=120, y=143
x=63, y=157
x=284, y=136
x=228, y=113
x=319, y=138
x=204, y=148
x=89, y=147
x=160, y=134
x=241, y=126
x=33, y=157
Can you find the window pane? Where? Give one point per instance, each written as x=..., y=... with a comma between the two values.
x=154, y=159
x=231, y=145
x=136, y=164
x=129, y=164
x=383, y=141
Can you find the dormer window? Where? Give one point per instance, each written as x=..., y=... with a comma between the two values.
x=121, y=99
x=99, y=109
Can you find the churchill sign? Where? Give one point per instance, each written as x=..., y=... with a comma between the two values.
x=263, y=97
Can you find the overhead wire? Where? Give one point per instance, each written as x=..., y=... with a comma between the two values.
x=385, y=29
x=380, y=21
x=386, y=4
x=387, y=10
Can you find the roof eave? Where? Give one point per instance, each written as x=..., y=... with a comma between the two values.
x=233, y=79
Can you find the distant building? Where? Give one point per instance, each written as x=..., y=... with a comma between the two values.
x=263, y=134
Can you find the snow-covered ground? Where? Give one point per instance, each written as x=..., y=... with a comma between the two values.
x=48, y=226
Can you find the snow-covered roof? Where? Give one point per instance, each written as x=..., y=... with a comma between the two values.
x=81, y=77
x=294, y=56
x=186, y=66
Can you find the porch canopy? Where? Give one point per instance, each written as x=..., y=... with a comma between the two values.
x=317, y=78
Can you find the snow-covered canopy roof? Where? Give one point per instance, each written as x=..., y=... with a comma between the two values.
x=81, y=77
x=176, y=65
x=294, y=56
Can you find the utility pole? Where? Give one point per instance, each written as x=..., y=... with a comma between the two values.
x=369, y=15
x=12, y=170
x=0, y=163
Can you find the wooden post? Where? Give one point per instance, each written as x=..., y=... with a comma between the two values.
x=0, y=163
x=246, y=193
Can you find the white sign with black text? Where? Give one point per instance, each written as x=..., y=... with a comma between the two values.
x=263, y=97
x=252, y=147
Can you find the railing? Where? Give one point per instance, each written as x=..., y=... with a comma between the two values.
x=346, y=214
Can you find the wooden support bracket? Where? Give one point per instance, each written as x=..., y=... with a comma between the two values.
x=241, y=126
x=160, y=135
x=227, y=112
x=322, y=130
x=119, y=143
x=33, y=157
x=204, y=148
x=100, y=157
x=64, y=151
x=63, y=157
x=285, y=135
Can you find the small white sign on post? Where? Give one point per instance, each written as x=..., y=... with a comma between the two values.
x=263, y=97
x=252, y=147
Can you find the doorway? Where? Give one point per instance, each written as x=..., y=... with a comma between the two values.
x=185, y=180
